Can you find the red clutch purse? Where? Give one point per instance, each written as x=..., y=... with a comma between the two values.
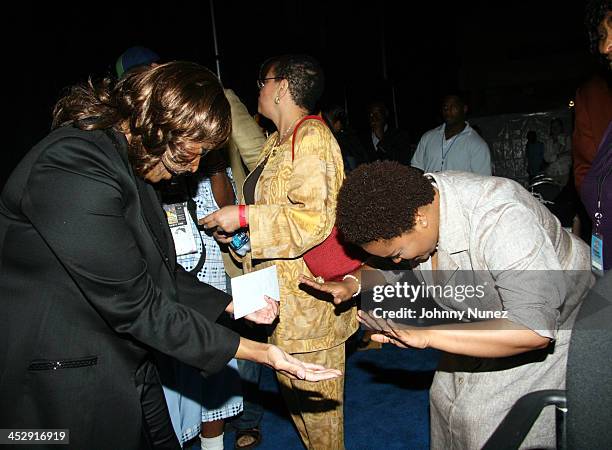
x=332, y=258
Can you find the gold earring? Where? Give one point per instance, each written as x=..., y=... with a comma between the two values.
x=277, y=99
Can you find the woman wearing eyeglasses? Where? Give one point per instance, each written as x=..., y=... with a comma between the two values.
x=290, y=208
x=91, y=292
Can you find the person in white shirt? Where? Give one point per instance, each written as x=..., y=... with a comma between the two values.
x=454, y=145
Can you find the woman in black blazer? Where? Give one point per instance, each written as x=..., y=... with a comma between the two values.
x=90, y=291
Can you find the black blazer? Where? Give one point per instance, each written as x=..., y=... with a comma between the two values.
x=394, y=146
x=89, y=290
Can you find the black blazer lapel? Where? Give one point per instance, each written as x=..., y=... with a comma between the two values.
x=152, y=212
x=155, y=219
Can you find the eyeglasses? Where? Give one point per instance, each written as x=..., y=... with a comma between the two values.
x=175, y=168
x=262, y=81
x=181, y=168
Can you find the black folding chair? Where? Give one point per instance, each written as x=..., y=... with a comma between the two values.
x=584, y=409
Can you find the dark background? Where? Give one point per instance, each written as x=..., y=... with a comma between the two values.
x=521, y=56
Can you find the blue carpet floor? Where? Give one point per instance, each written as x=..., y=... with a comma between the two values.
x=386, y=403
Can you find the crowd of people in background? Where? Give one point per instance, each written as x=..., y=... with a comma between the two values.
x=134, y=311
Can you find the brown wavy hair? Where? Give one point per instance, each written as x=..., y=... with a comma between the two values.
x=163, y=108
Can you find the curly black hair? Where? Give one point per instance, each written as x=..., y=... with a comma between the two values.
x=304, y=74
x=595, y=11
x=379, y=201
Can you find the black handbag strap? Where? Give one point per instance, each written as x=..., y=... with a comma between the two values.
x=192, y=207
x=184, y=187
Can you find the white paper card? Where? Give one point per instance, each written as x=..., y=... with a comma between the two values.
x=248, y=290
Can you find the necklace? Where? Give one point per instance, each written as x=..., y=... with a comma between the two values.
x=282, y=136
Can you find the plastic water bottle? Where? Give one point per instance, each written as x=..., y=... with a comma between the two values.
x=240, y=243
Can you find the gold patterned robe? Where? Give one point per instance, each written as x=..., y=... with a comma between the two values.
x=294, y=210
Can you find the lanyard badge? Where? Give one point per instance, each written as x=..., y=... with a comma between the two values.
x=597, y=254
x=180, y=221
x=445, y=154
x=597, y=239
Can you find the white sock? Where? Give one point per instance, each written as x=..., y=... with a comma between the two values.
x=215, y=443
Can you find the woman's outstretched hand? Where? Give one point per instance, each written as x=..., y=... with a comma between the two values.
x=282, y=362
x=341, y=291
x=265, y=315
x=292, y=367
x=388, y=332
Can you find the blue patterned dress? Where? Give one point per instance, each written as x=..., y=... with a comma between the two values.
x=199, y=399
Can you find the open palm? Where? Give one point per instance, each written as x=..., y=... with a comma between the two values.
x=292, y=367
x=341, y=291
x=390, y=332
x=265, y=315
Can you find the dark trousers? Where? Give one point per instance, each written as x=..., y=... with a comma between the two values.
x=157, y=431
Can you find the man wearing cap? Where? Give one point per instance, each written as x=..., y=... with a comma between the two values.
x=135, y=57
